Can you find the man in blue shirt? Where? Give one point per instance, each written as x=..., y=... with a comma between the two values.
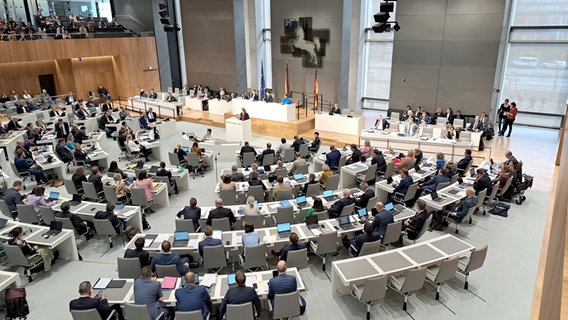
x=208, y=241
x=286, y=100
x=332, y=157
x=282, y=283
x=167, y=258
x=149, y=292
x=462, y=164
x=240, y=294
x=192, y=297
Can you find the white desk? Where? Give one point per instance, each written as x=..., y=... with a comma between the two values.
x=9, y=280
x=220, y=107
x=132, y=215
x=9, y=144
x=238, y=130
x=41, y=156
x=162, y=108
x=339, y=124
x=165, y=128
x=265, y=110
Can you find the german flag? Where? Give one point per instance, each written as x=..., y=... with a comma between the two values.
x=316, y=87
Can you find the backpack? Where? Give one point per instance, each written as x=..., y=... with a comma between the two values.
x=500, y=209
x=16, y=303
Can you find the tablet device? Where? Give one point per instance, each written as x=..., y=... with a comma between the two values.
x=231, y=279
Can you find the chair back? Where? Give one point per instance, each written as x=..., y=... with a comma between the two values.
x=304, y=153
x=16, y=255
x=70, y=186
x=286, y=305
x=66, y=223
x=411, y=192
x=442, y=185
x=493, y=192
x=189, y=315
x=314, y=189
x=297, y=258
x=174, y=159
x=89, y=314
x=26, y=213
x=372, y=202
x=243, y=311
x=454, y=178
x=90, y=191
x=411, y=164
x=458, y=123
x=469, y=214
x=267, y=159
x=414, y=280
x=166, y=270
x=303, y=169
x=394, y=117
x=281, y=172
x=342, y=162
x=185, y=225
x=322, y=215
x=256, y=220
x=214, y=257
x=427, y=132
x=138, y=197
x=284, y=214
x=327, y=243
x=447, y=270
x=288, y=155
x=193, y=160
x=374, y=289
x=390, y=170
x=371, y=173
x=332, y=182
x=5, y=209
x=110, y=195
x=465, y=136
x=257, y=192
x=424, y=227
x=505, y=187
x=166, y=181
x=229, y=196
x=476, y=259
x=104, y=226
x=136, y=311
x=248, y=159
x=481, y=197
x=285, y=195
x=347, y=210
x=469, y=164
x=47, y=214
x=222, y=224
x=128, y=268
x=393, y=233
x=370, y=248
x=255, y=256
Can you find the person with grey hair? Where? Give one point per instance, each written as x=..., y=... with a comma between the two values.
x=362, y=199
x=335, y=209
x=413, y=225
x=149, y=292
x=88, y=301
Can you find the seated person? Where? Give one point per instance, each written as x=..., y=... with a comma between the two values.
x=292, y=246
x=412, y=226
x=440, y=161
x=366, y=150
x=168, y=258
x=163, y=172
x=282, y=283
x=151, y=116
x=113, y=168
x=192, y=212
x=63, y=152
x=227, y=183
x=83, y=156
x=401, y=188
x=96, y=179
x=280, y=186
x=193, y=297
x=380, y=218
x=363, y=198
x=208, y=240
x=379, y=160
x=246, y=148
x=297, y=143
x=356, y=244
x=314, y=146
x=139, y=252
x=236, y=175
x=135, y=146
x=459, y=213
x=120, y=188
x=335, y=209
x=81, y=226
x=180, y=152
x=355, y=155
x=266, y=151
x=16, y=239
x=239, y=295
x=283, y=146
x=311, y=180
x=324, y=175
x=404, y=162
x=208, y=135
x=462, y=164
x=197, y=150
x=149, y=292
x=298, y=162
x=504, y=175
x=332, y=157
x=255, y=181
x=109, y=214
x=219, y=213
x=250, y=208
x=27, y=165
x=88, y=301
x=482, y=182
x=381, y=124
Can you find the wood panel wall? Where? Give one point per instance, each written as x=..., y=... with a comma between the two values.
x=119, y=64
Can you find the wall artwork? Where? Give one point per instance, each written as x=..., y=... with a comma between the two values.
x=301, y=40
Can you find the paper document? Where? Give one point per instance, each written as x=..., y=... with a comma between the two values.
x=250, y=281
x=208, y=279
x=128, y=213
x=169, y=283
x=102, y=283
x=161, y=238
x=269, y=239
x=193, y=243
x=316, y=232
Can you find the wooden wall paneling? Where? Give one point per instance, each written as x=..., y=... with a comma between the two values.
x=24, y=76
x=64, y=76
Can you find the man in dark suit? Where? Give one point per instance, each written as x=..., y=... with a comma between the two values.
x=64, y=153
x=81, y=155
x=266, y=151
x=379, y=160
x=239, y=295
x=413, y=225
x=139, y=252
x=80, y=136
x=70, y=99
x=92, y=103
x=149, y=292
x=315, y=145
x=269, y=97
x=192, y=297
x=163, y=172
x=24, y=165
x=381, y=124
x=88, y=301
x=332, y=157
x=61, y=129
x=95, y=179
x=355, y=155
x=254, y=95
x=103, y=92
x=108, y=106
x=108, y=214
x=462, y=164
x=168, y=258
x=55, y=113
x=82, y=113
x=355, y=245
x=13, y=124
x=22, y=108
x=208, y=240
x=460, y=212
x=432, y=184
x=334, y=210
x=380, y=219
x=236, y=175
x=253, y=180
x=246, y=148
x=424, y=118
x=192, y=212
x=282, y=283
x=153, y=94
x=151, y=115
x=402, y=187
x=482, y=182
x=297, y=143
x=294, y=245
x=219, y=213
x=107, y=118
x=362, y=199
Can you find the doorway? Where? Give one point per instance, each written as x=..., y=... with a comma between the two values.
x=47, y=82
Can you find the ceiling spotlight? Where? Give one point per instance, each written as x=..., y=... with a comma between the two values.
x=382, y=17
x=387, y=7
x=396, y=27
x=381, y=27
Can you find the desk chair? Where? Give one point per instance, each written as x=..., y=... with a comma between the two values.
x=267, y=159
x=191, y=315
x=303, y=169
x=6, y=210
x=462, y=172
x=175, y=161
x=413, y=280
x=458, y=123
x=229, y=197
x=281, y=172
x=389, y=171
x=139, y=312
x=166, y=270
x=214, y=258
x=373, y=289
x=326, y=244
x=91, y=193
x=304, y=152
x=285, y=195
x=474, y=262
x=16, y=257
x=347, y=210
x=368, y=176
x=284, y=215
x=22, y=175
x=185, y=225
x=288, y=155
x=69, y=226
x=27, y=214
x=47, y=214
x=427, y=132
x=256, y=220
x=243, y=311
x=110, y=195
x=392, y=234
x=166, y=181
x=480, y=198
x=408, y=196
x=90, y=314
x=437, y=275
x=424, y=228
x=70, y=187
x=257, y=192
x=138, y=198
x=313, y=153
x=255, y=257
x=467, y=217
x=313, y=190
x=502, y=191
x=297, y=258
x=332, y=182
x=464, y=135
x=489, y=199
x=411, y=164
x=222, y=224
x=124, y=152
x=322, y=215
x=371, y=204
x=105, y=227
x=248, y=159
x=129, y=268
x=367, y=248
x=285, y=305
x=342, y=162
x=442, y=185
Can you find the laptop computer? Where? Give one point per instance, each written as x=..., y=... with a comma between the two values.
x=362, y=212
x=389, y=206
x=389, y=180
x=472, y=172
x=301, y=202
x=453, y=191
x=345, y=223
x=231, y=279
x=154, y=169
x=181, y=238
x=328, y=195
x=312, y=222
x=284, y=230
x=299, y=177
x=436, y=197
x=186, y=149
x=54, y=228
x=53, y=195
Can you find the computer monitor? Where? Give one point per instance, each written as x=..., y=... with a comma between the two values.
x=298, y=176
x=231, y=279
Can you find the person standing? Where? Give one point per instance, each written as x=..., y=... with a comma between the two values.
x=511, y=115
x=501, y=115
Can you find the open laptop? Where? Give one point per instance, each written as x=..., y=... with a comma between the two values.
x=53, y=195
x=389, y=206
x=284, y=230
x=154, y=169
x=328, y=195
x=436, y=197
x=345, y=223
x=299, y=177
x=181, y=238
x=362, y=213
x=389, y=180
x=54, y=228
x=312, y=222
x=301, y=202
x=472, y=172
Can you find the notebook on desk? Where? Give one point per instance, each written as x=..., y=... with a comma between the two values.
x=284, y=230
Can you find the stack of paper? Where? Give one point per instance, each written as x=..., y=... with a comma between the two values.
x=250, y=281
x=269, y=239
x=208, y=279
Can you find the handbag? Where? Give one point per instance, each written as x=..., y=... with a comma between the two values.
x=500, y=209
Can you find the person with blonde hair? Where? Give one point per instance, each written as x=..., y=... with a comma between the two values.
x=250, y=208
x=324, y=175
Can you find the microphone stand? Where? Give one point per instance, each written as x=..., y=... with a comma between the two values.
x=216, y=166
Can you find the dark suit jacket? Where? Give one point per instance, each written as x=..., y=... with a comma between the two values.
x=385, y=123
x=381, y=221
x=13, y=126
x=191, y=213
x=167, y=259
x=240, y=295
x=21, y=109
x=462, y=164
x=283, y=283
x=54, y=113
x=296, y=144
x=154, y=116
x=256, y=182
x=416, y=224
x=247, y=149
x=381, y=163
x=80, y=137
x=87, y=303
x=362, y=201
x=464, y=207
x=403, y=185
x=290, y=247
x=483, y=183
x=432, y=184
x=59, y=130
x=143, y=255
x=355, y=156
x=97, y=181
x=244, y=116
x=64, y=153
x=220, y=213
x=335, y=209
x=264, y=152
x=362, y=238
x=208, y=241
x=332, y=158
x=109, y=216
x=82, y=114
